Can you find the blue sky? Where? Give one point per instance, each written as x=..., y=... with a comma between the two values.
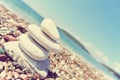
x=96, y=22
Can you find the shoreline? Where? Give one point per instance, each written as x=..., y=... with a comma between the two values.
x=67, y=65
x=87, y=62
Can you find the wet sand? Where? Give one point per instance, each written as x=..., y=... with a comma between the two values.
x=63, y=66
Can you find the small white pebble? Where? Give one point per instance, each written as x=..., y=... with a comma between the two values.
x=23, y=76
x=9, y=75
x=1, y=65
x=3, y=74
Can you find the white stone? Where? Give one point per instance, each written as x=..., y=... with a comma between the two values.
x=31, y=48
x=48, y=26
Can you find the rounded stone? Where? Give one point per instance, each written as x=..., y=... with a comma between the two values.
x=3, y=57
x=2, y=51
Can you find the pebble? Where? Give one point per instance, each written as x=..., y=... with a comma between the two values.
x=18, y=71
x=12, y=30
x=3, y=74
x=2, y=51
x=3, y=57
x=9, y=75
x=2, y=41
x=15, y=35
x=21, y=29
x=16, y=75
x=14, y=63
x=6, y=38
x=1, y=66
x=10, y=38
x=4, y=31
x=24, y=77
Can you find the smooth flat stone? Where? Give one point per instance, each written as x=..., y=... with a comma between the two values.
x=31, y=48
x=48, y=26
x=13, y=49
x=40, y=37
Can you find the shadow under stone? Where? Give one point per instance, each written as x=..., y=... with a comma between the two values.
x=51, y=74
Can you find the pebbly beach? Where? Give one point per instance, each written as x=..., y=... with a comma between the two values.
x=65, y=65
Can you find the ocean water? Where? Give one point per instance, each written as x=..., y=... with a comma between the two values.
x=24, y=11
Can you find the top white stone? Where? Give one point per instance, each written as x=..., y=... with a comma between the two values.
x=48, y=26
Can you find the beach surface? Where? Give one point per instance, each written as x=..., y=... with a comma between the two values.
x=63, y=66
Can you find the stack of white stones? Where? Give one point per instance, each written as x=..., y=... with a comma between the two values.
x=32, y=50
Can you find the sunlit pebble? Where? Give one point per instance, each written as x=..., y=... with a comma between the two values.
x=18, y=33
x=81, y=73
x=2, y=41
x=48, y=79
x=9, y=63
x=18, y=79
x=6, y=68
x=16, y=75
x=1, y=66
x=24, y=77
x=72, y=57
x=9, y=75
x=4, y=28
x=11, y=21
x=90, y=79
x=4, y=63
x=18, y=70
x=3, y=74
x=22, y=25
x=11, y=38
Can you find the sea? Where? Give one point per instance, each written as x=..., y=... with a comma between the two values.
x=26, y=12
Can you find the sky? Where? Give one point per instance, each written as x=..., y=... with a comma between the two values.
x=94, y=22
